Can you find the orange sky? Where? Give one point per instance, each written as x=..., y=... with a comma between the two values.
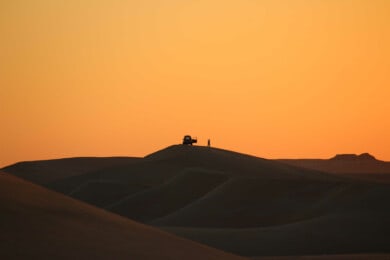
x=272, y=78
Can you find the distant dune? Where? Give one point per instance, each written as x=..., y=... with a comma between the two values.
x=238, y=203
x=38, y=223
x=364, y=166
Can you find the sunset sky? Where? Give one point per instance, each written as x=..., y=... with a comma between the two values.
x=272, y=78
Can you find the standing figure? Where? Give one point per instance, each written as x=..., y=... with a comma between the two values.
x=208, y=142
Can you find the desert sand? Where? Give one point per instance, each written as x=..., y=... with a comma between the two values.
x=363, y=166
x=38, y=223
x=238, y=203
x=48, y=171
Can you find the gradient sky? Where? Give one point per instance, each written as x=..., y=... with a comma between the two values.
x=272, y=78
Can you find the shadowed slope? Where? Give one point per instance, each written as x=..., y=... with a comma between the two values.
x=326, y=235
x=101, y=193
x=251, y=202
x=172, y=195
x=138, y=176
x=355, y=219
x=36, y=223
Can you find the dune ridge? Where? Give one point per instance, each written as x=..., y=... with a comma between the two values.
x=240, y=203
x=344, y=164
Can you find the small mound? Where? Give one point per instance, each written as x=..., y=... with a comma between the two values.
x=345, y=164
x=354, y=157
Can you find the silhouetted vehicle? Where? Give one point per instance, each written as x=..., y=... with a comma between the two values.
x=188, y=140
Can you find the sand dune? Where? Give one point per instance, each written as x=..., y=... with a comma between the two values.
x=251, y=202
x=239, y=203
x=101, y=193
x=232, y=163
x=38, y=223
x=354, y=220
x=326, y=235
x=185, y=188
x=43, y=172
x=138, y=176
x=359, y=167
x=325, y=257
x=344, y=164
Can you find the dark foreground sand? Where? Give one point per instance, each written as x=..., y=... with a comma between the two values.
x=325, y=257
x=38, y=223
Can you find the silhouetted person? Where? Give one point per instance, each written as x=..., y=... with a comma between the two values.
x=208, y=143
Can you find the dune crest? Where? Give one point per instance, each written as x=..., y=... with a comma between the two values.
x=238, y=203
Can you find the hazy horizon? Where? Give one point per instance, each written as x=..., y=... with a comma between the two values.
x=274, y=79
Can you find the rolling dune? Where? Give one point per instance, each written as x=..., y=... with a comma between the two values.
x=239, y=203
x=38, y=223
x=251, y=202
x=353, y=220
x=361, y=167
x=331, y=234
x=43, y=172
x=183, y=189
